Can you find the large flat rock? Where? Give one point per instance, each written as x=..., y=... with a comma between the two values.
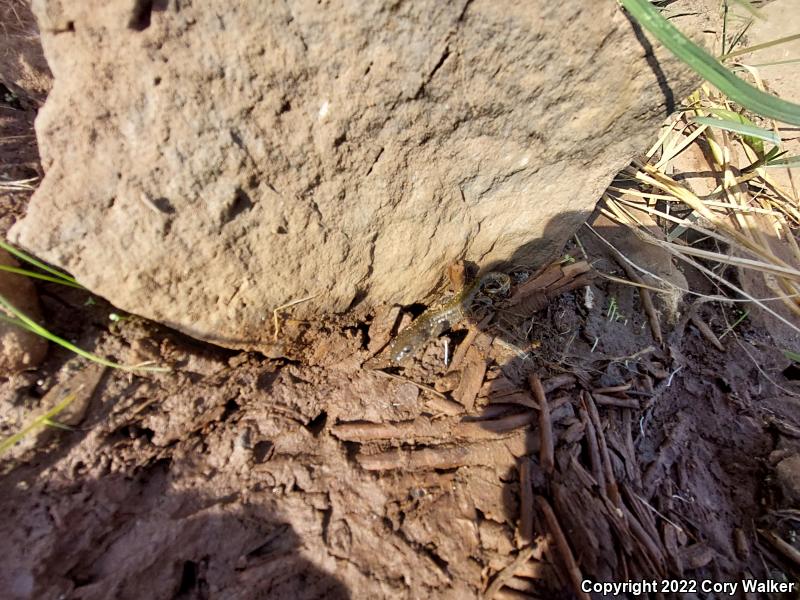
x=206, y=163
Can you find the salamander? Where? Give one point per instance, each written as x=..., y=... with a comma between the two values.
x=435, y=321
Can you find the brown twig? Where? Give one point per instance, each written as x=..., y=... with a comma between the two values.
x=653, y=551
x=525, y=525
x=616, y=389
x=604, y=400
x=521, y=398
x=706, y=332
x=594, y=452
x=644, y=294
x=508, y=572
x=418, y=429
x=740, y=544
x=562, y=546
x=574, y=432
x=489, y=429
x=556, y=279
x=444, y=406
x=630, y=451
x=496, y=453
x=786, y=549
x=559, y=381
x=546, y=447
x=612, y=489
x=439, y=431
x=461, y=351
x=500, y=386
x=471, y=379
x=670, y=537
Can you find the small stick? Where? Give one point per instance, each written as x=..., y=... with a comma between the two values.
x=594, y=452
x=521, y=398
x=611, y=482
x=471, y=379
x=563, y=547
x=627, y=427
x=491, y=427
x=525, y=532
x=604, y=400
x=524, y=399
x=559, y=381
x=574, y=433
x=575, y=269
x=616, y=389
x=652, y=315
x=784, y=427
x=705, y=330
x=740, y=543
x=546, y=449
x=655, y=554
x=788, y=551
x=643, y=511
x=499, y=387
x=670, y=537
x=536, y=284
x=497, y=453
x=631, y=357
x=644, y=294
x=364, y=431
x=461, y=351
x=508, y=572
x=444, y=406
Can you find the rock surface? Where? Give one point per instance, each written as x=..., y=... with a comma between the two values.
x=19, y=349
x=206, y=165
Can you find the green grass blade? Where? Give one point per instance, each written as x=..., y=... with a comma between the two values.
x=55, y=424
x=37, y=263
x=710, y=68
x=740, y=128
x=36, y=275
x=22, y=320
x=788, y=162
x=741, y=318
x=792, y=355
x=39, y=421
x=728, y=115
x=767, y=158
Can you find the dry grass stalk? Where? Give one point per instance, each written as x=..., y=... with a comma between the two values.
x=748, y=220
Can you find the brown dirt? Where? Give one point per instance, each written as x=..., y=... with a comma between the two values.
x=239, y=476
